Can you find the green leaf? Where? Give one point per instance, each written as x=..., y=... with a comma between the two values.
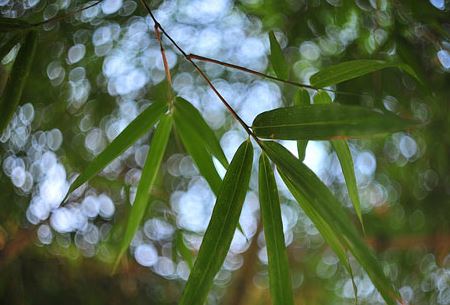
x=348, y=170
x=322, y=122
x=279, y=276
x=321, y=97
x=135, y=130
x=17, y=79
x=221, y=228
x=345, y=159
x=152, y=163
x=10, y=42
x=301, y=98
x=13, y=24
x=313, y=195
x=184, y=251
x=276, y=57
x=352, y=69
x=191, y=118
x=197, y=150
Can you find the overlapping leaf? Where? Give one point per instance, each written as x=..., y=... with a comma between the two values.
x=189, y=117
x=17, y=80
x=323, y=122
x=352, y=69
x=323, y=208
x=9, y=42
x=199, y=140
x=279, y=276
x=151, y=167
x=301, y=98
x=279, y=64
x=13, y=24
x=217, y=239
x=345, y=159
x=135, y=130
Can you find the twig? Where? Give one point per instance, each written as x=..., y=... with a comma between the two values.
x=244, y=69
x=202, y=74
x=58, y=18
x=170, y=94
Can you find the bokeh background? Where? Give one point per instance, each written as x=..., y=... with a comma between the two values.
x=96, y=70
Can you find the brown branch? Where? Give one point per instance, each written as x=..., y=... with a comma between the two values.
x=254, y=72
x=170, y=94
x=202, y=74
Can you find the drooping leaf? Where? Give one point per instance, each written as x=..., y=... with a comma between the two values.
x=352, y=69
x=17, y=79
x=301, y=98
x=348, y=170
x=10, y=42
x=197, y=150
x=217, y=239
x=279, y=276
x=151, y=167
x=322, y=122
x=186, y=114
x=345, y=159
x=321, y=97
x=277, y=60
x=183, y=249
x=13, y=24
x=135, y=130
x=313, y=195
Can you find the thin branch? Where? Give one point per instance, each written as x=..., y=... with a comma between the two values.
x=170, y=94
x=244, y=69
x=202, y=74
x=64, y=16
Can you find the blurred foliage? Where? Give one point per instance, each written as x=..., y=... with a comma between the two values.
x=96, y=70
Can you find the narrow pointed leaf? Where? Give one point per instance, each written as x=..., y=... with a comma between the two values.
x=221, y=228
x=301, y=98
x=279, y=276
x=192, y=118
x=151, y=167
x=321, y=97
x=17, y=80
x=10, y=42
x=197, y=150
x=312, y=194
x=323, y=122
x=13, y=24
x=135, y=130
x=348, y=170
x=352, y=69
x=277, y=60
x=345, y=159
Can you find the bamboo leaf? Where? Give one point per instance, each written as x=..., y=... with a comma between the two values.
x=313, y=195
x=321, y=97
x=13, y=24
x=279, y=276
x=197, y=150
x=322, y=122
x=348, y=170
x=345, y=159
x=135, y=130
x=352, y=69
x=17, y=80
x=192, y=118
x=148, y=176
x=276, y=57
x=10, y=42
x=301, y=98
x=221, y=228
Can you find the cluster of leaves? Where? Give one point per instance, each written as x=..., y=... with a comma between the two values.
x=320, y=120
